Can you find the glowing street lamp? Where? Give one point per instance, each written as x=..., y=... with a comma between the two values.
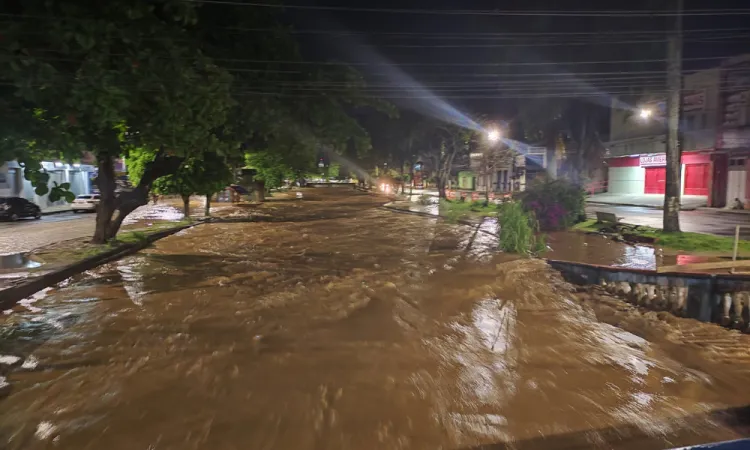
x=493, y=136
x=645, y=113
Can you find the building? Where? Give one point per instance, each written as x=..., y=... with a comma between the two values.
x=635, y=157
x=13, y=183
x=732, y=156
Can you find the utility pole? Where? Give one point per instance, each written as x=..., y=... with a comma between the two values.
x=674, y=145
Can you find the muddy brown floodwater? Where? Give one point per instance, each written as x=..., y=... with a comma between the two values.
x=340, y=325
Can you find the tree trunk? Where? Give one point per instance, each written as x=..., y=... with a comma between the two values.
x=127, y=202
x=441, y=188
x=260, y=191
x=207, y=210
x=674, y=150
x=186, y=206
x=105, y=180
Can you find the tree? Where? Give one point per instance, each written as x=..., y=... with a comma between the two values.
x=204, y=177
x=448, y=143
x=111, y=77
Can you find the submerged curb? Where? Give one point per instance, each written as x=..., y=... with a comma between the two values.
x=389, y=207
x=12, y=295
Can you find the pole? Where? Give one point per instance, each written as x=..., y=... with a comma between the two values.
x=674, y=150
x=736, y=242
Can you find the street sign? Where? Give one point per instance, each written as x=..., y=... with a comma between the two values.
x=653, y=160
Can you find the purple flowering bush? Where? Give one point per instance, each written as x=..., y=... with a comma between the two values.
x=556, y=204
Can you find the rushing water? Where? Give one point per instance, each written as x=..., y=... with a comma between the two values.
x=337, y=326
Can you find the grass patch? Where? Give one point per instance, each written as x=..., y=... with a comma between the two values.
x=518, y=230
x=68, y=252
x=692, y=242
x=456, y=210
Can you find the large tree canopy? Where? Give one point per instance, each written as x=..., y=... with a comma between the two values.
x=170, y=81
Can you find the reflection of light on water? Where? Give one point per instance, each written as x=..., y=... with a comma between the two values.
x=132, y=280
x=153, y=212
x=485, y=351
x=638, y=257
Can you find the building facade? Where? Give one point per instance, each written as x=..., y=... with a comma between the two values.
x=636, y=159
x=732, y=157
x=13, y=183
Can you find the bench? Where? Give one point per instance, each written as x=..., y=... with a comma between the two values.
x=605, y=217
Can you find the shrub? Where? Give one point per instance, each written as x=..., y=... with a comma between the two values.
x=556, y=204
x=518, y=230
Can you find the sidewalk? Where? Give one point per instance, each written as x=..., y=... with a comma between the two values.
x=56, y=209
x=656, y=201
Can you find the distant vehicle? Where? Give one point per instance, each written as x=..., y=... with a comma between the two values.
x=86, y=203
x=14, y=208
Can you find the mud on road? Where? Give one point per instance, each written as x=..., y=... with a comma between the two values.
x=340, y=325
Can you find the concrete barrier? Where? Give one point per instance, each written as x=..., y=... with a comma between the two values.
x=718, y=298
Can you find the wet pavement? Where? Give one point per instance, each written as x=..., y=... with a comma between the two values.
x=27, y=235
x=699, y=221
x=337, y=324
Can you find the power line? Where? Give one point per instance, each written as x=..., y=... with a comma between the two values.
x=478, y=12
x=479, y=35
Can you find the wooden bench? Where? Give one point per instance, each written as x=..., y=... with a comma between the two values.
x=605, y=217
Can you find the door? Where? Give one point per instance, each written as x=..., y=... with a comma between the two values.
x=656, y=178
x=736, y=180
x=696, y=179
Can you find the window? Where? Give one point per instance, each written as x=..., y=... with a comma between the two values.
x=736, y=162
x=690, y=123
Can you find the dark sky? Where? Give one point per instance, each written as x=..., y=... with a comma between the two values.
x=490, y=64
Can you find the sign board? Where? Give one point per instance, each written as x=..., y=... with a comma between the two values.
x=475, y=196
x=520, y=161
x=653, y=160
x=694, y=101
x=735, y=138
x=450, y=194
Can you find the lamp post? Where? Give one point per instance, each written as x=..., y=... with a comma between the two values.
x=493, y=137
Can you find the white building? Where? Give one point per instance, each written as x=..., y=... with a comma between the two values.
x=13, y=183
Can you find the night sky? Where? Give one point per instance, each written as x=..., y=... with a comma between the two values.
x=491, y=64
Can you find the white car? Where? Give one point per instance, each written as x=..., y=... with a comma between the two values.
x=86, y=202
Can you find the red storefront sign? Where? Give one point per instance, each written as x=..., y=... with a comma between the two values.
x=653, y=160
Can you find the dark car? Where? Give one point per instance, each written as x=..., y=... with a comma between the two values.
x=14, y=208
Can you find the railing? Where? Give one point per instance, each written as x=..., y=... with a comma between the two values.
x=719, y=298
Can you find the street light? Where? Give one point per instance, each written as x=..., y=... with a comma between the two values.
x=493, y=135
x=645, y=113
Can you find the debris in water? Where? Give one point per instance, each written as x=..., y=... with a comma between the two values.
x=9, y=359
x=44, y=430
x=30, y=363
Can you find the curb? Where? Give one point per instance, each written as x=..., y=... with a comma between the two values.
x=12, y=295
x=658, y=208
x=434, y=216
x=735, y=212
x=57, y=211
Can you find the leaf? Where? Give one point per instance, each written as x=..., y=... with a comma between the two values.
x=41, y=190
x=65, y=186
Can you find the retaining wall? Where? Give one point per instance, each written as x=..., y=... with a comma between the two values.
x=719, y=298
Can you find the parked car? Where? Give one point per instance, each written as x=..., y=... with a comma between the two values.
x=86, y=202
x=14, y=208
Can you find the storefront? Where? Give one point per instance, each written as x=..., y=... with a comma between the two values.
x=647, y=174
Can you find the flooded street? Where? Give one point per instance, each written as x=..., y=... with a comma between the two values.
x=336, y=324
